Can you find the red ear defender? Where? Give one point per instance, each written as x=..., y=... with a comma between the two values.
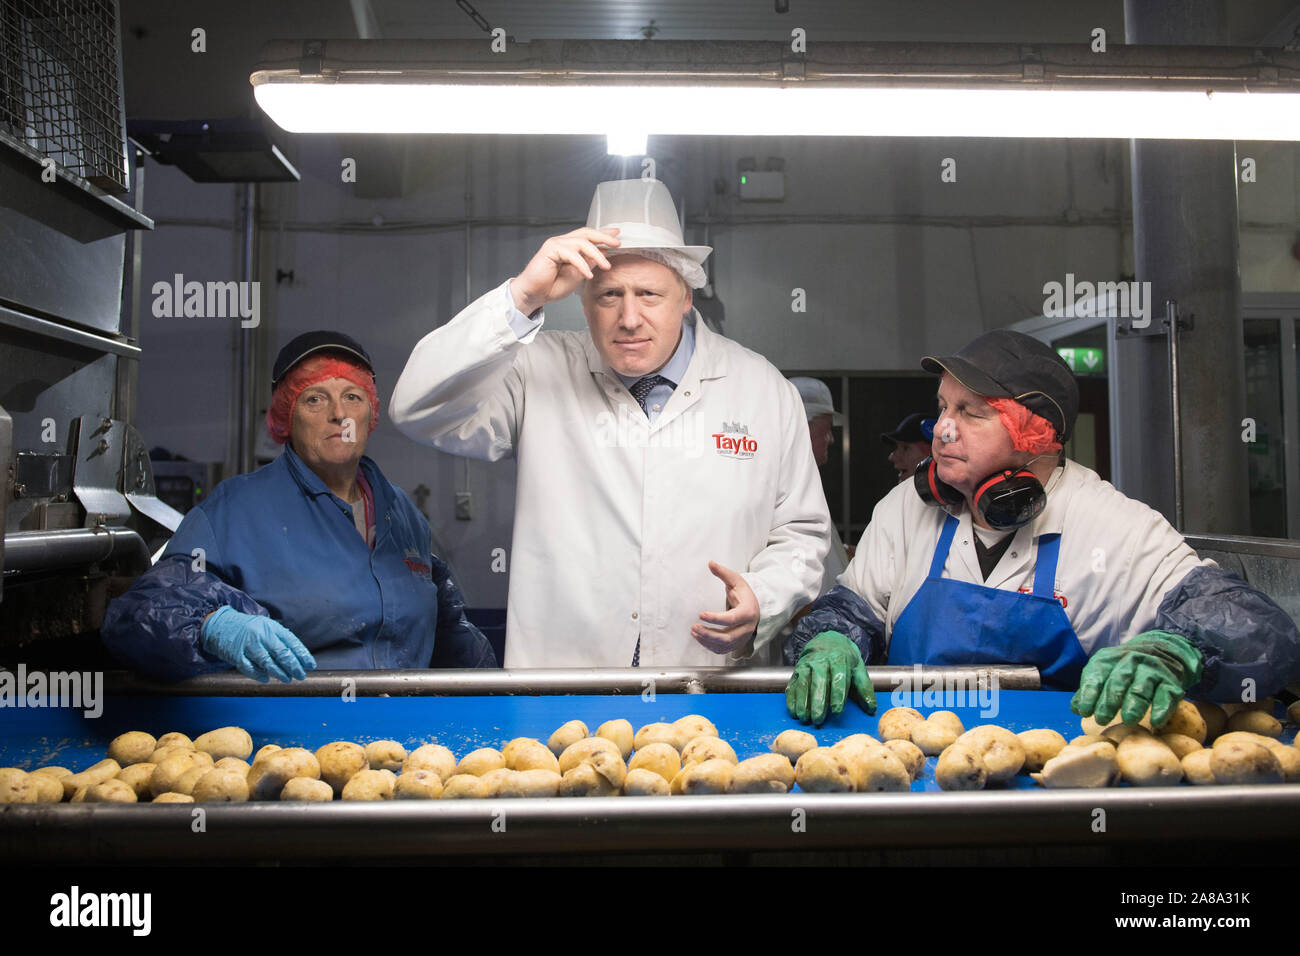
x=932, y=489
x=1010, y=499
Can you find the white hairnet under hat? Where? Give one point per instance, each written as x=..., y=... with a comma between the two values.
x=646, y=218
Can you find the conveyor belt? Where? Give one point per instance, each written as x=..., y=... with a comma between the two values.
x=1022, y=814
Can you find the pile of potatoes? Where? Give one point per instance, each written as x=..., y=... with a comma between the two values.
x=1202, y=743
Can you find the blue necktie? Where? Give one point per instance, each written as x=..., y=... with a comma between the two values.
x=641, y=390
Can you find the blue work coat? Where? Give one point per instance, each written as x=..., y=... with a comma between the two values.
x=277, y=542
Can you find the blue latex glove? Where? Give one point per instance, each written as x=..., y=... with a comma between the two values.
x=256, y=646
x=1154, y=669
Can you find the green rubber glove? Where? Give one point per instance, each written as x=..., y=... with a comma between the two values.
x=1154, y=670
x=829, y=665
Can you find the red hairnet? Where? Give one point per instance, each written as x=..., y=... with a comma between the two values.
x=311, y=371
x=1029, y=432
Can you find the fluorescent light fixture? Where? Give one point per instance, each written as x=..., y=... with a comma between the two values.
x=611, y=87
x=625, y=143
x=782, y=111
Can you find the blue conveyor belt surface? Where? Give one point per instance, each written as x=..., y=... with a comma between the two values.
x=32, y=737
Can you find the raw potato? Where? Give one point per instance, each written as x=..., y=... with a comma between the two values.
x=190, y=779
x=385, y=755
x=961, y=767
x=162, y=753
x=1242, y=761
x=110, y=791
x=1087, y=740
x=104, y=770
x=419, y=785
x=766, y=773
x=1180, y=744
x=879, y=771
x=133, y=747
x=1041, y=745
x=933, y=736
x=221, y=786
x=1196, y=768
x=177, y=739
x=1186, y=720
x=853, y=742
x=660, y=733
x=370, y=785
x=433, y=757
x=583, y=781
x=693, y=725
x=1243, y=736
x=645, y=783
x=707, y=776
x=340, y=761
x=1092, y=765
x=1293, y=713
x=910, y=754
x=225, y=742
x=500, y=783
x=793, y=744
x=1288, y=758
x=897, y=722
x=173, y=798
x=137, y=778
x=512, y=750
x=16, y=788
x=1002, y=751
x=660, y=758
x=1216, y=720
x=583, y=750
x=1116, y=733
x=266, y=751
x=1264, y=703
x=49, y=790
x=166, y=776
x=620, y=732
x=1145, y=761
x=269, y=775
x=566, y=735
x=1255, y=722
x=948, y=717
x=57, y=773
x=824, y=770
x=707, y=748
x=539, y=783
x=462, y=786
x=308, y=789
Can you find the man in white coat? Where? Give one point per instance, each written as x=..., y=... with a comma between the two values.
x=668, y=510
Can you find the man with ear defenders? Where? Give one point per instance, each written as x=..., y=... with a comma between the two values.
x=1002, y=551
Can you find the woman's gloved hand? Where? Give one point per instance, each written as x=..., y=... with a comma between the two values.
x=256, y=646
x=828, y=667
x=1154, y=669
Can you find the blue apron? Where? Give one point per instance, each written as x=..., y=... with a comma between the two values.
x=955, y=622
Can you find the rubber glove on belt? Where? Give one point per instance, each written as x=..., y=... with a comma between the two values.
x=257, y=646
x=828, y=667
x=1154, y=669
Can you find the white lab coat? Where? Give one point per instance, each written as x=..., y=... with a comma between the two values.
x=1118, y=557
x=616, y=519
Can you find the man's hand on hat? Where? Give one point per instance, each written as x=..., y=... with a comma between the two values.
x=559, y=265
x=733, y=626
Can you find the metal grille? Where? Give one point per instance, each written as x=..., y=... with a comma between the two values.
x=60, y=85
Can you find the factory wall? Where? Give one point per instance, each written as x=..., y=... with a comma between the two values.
x=893, y=262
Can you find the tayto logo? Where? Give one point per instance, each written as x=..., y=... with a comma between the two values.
x=1065, y=602
x=733, y=441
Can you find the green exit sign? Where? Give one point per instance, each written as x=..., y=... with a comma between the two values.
x=1084, y=361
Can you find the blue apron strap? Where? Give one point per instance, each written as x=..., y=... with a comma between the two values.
x=941, y=549
x=1049, y=548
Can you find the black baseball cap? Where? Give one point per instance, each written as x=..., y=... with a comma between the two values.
x=1006, y=364
x=311, y=342
x=909, y=429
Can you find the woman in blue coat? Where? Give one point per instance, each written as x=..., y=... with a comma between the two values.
x=314, y=560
